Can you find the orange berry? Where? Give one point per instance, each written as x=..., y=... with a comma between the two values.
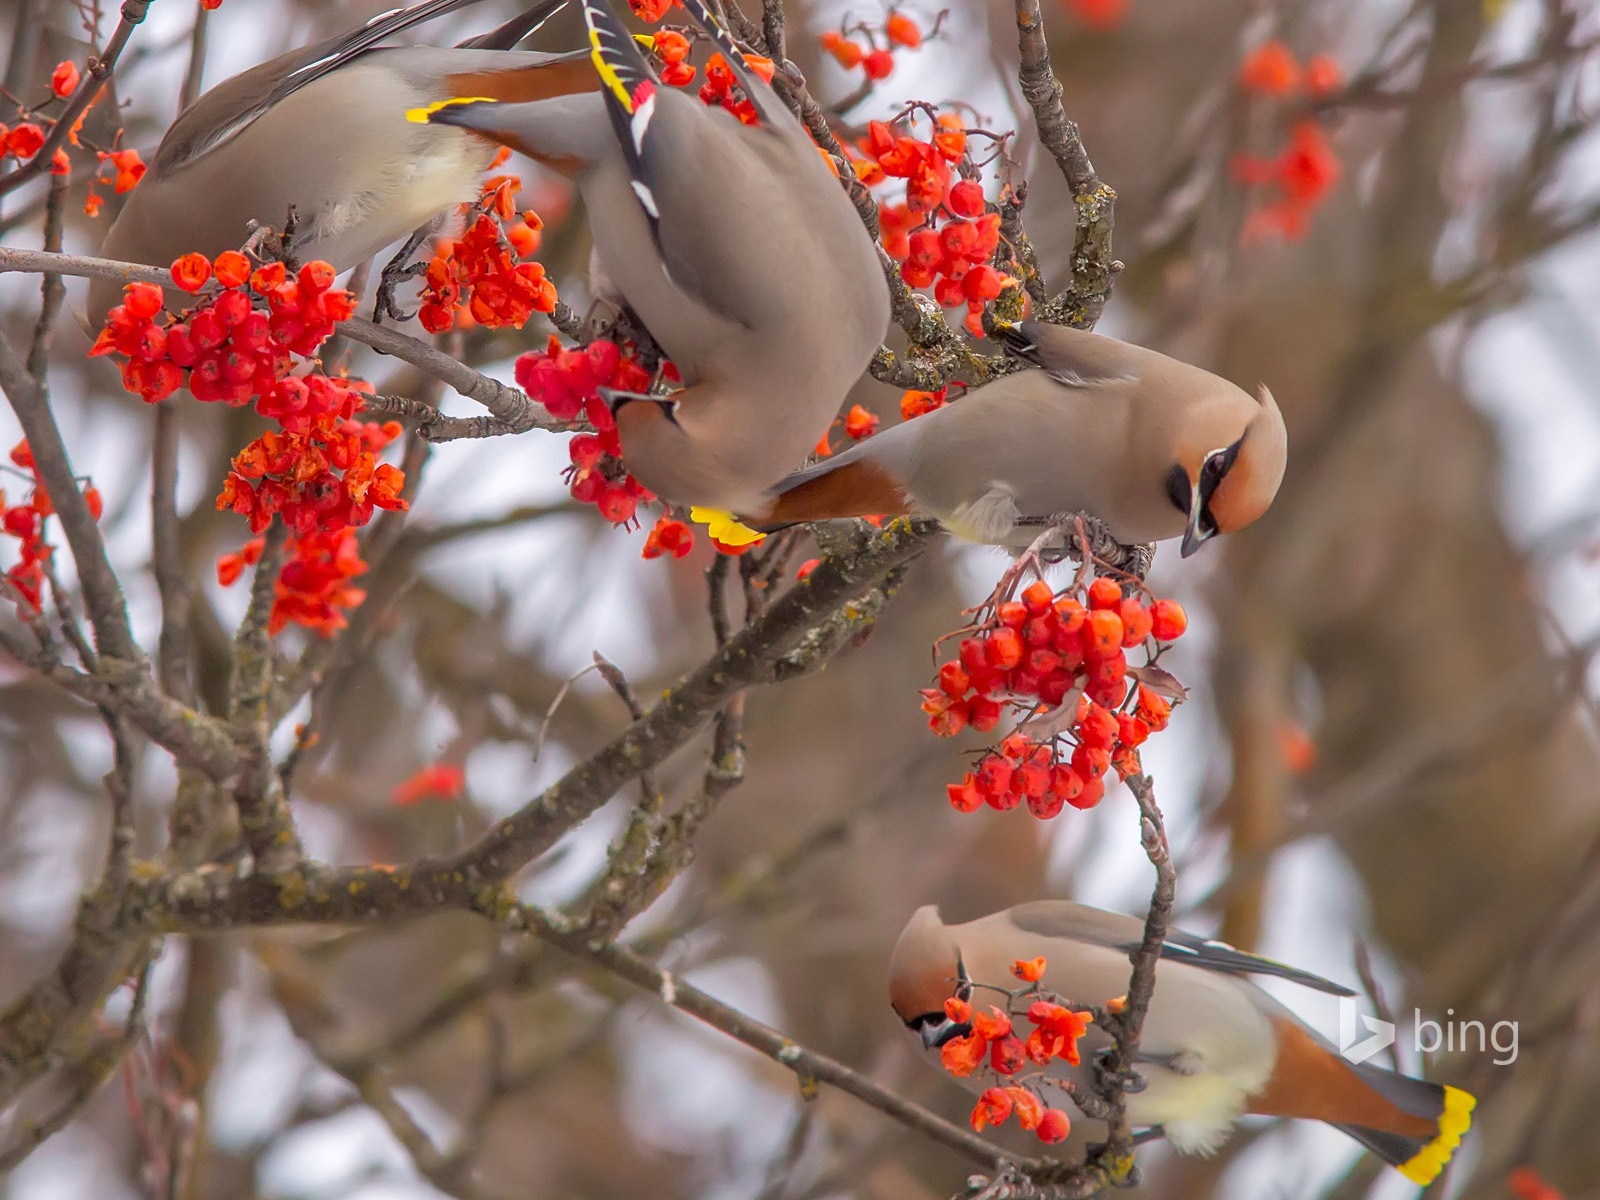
x=1136, y=621
x=1102, y=633
x=1323, y=75
x=1104, y=593
x=1270, y=69
x=1168, y=620
x=1054, y=1126
x=232, y=268
x=1029, y=970
x=878, y=65
x=1003, y=649
x=1038, y=596
x=191, y=272
x=1013, y=614
x=903, y=31
x=1093, y=792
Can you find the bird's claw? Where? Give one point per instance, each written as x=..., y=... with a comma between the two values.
x=383, y=303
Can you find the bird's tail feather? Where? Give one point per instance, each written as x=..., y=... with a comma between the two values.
x=1419, y=1159
x=506, y=35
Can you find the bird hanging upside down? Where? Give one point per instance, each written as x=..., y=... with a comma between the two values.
x=1215, y=1046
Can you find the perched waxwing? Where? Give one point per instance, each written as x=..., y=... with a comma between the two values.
x=1215, y=1046
x=323, y=129
x=1153, y=447
x=734, y=244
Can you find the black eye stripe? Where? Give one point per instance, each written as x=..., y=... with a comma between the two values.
x=1178, y=489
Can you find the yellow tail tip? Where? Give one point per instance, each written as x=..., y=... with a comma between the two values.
x=724, y=526
x=1423, y=1167
x=420, y=116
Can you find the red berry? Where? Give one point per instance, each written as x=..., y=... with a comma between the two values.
x=984, y=713
x=1012, y=614
x=965, y=796
x=1093, y=792
x=1136, y=621
x=1104, y=593
x=966, y=198
x=1102, y=634
x=1003, y=649
x=1168, y=620
x=954, y=681
x=1046, y=806
x=1038, y=596
x=878, y=64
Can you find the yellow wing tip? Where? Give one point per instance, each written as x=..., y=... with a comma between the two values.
x=724, y=527
x=1423, y=1167
x=420, y=116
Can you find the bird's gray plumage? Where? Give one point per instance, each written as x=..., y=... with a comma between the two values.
x=738, y=249
x=1094, y=425
x=323, y=129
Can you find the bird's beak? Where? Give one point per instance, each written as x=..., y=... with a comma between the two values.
x=936, y=1033
x=1193, y=535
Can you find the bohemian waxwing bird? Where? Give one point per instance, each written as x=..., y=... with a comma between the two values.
x=323, y=129
x=1215, y=1046
x=1154, y=447
x=734, y=244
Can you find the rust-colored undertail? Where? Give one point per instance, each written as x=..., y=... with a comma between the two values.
x=521, y=85
x=857, y=489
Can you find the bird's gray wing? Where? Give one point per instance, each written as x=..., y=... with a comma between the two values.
x=1078, y=922
x=1073, y=357
x=234, y=104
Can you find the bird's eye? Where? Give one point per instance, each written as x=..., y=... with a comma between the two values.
x=1178, y=489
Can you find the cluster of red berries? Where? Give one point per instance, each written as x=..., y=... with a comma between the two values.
x=722, y=85
x=1303, y=173
x=993, y=1045
x=567, y=382
x=483, y=277
x=325, y=479
x=25, y=522
x=1034, y=653
x=319, y=471
x=314, y=584
x=668, y=536
x=226, y=348
x=942, y=235
x=924, y=165
x=876, y=62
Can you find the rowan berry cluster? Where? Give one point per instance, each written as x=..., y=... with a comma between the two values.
x=1302, y=174
x=1038, y=654
x=26, y=523
x=319, y=471
x=991, y=1045
x=567, y=383
x=872, y=50
x=942, y=235
x=484, y=277
x=722, y=85
x=226, y=348
x=313, y=587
